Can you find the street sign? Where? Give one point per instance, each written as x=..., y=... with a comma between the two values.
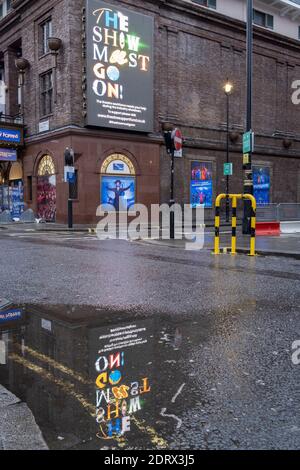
x=228, y=169
x=46, y=325
x=248, y=142
x=245, y=158
x=69, y=174
x=178, y=141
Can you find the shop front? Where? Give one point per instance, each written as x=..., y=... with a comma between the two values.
x=11, y=171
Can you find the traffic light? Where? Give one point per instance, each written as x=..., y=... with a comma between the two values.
x=169, y=141
x=69, y=157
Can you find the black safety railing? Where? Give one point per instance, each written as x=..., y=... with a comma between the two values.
x=7, y=119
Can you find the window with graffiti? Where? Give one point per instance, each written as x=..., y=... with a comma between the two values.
x=46, y=190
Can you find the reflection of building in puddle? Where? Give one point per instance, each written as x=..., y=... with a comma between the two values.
x=11, y=318
x=118, y=358
x=50, y=363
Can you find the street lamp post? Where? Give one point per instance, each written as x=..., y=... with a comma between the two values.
x=22, y=65
x=247, y=164
x=69, y=162
x=167, y=130
x=55, y=45
x=228, y=89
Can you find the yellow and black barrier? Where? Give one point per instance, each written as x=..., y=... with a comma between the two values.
x=234, y=198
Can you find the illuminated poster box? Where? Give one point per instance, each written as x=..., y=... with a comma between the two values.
x=11, y=136
x=119, y=67
x=8, y=155
x=261, y=185
x=201, y=189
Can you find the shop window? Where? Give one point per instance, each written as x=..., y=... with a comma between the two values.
x=46, y=85
x=118, y=183
x=12, y=191
x=201, y=189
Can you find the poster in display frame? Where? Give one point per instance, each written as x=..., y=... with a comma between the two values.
x=118, y=191
x=262, y=184
x=201, y=184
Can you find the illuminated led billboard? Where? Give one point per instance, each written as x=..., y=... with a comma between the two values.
x=119, y=67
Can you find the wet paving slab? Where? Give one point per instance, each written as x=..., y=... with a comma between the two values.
x=100, y=379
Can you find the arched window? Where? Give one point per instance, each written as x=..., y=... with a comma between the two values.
x=117, y=163
x=118, y=182
x=16, y=172
x=46, y=166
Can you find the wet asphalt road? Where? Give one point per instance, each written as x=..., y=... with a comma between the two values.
x=222, y=329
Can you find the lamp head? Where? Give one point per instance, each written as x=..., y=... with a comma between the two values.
x=228, y=87
x=22, y=64
x=54, y=44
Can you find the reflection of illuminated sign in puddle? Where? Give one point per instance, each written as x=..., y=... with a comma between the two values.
x=119, y=395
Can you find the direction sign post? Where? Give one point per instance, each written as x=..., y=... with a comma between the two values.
x=248, y=142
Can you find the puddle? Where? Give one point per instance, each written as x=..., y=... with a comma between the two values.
x=95, y=380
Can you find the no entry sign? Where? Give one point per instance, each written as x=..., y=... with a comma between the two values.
x=177, y=139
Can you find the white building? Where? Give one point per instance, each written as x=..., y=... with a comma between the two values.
x=280, y=16
x=5, y=6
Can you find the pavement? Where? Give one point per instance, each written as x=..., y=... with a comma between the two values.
x=18, y=428
x=287, y=245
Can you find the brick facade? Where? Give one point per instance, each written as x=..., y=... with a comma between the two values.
x=196, y=50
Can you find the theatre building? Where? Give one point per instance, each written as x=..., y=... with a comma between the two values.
x=102, y=78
